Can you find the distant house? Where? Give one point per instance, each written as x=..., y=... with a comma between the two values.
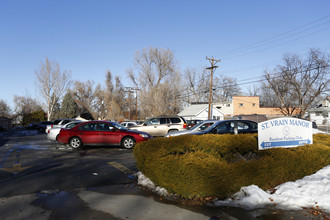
x=200, y=112
x=5, y=123
x=320, y=114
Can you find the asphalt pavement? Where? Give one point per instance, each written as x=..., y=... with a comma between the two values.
x=125, y=202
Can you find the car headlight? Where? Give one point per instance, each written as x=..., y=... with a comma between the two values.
x=144, y=135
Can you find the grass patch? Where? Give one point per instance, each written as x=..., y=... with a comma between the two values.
x=219, y=165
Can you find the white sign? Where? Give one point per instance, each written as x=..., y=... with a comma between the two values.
x=284, y=132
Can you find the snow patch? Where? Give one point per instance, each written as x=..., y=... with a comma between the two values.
x=310, y=191
x=146, y=182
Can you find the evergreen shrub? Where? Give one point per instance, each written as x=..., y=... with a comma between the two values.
x=193, y=166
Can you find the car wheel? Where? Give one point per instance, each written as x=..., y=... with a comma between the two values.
x=75, y=142
x=170, y=131
x=128, y=142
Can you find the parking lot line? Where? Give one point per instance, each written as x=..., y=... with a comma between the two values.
x=120, y=167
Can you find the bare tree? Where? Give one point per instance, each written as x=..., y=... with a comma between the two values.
x=25, y=106
x=101, y=103
x=299, y=82
x=158, y=78
x=254, y=90
x=52, y=84
x=196, y=85
x=115, y=97
x=267, y=96
x=225, y=88
x=5, y=110
x=83, y=94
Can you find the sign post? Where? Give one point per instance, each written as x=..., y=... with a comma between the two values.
x=284, y=132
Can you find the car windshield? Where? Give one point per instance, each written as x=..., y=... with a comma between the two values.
x=195, y=127
x=118, y=126
x=72, y=124
x=210, y=128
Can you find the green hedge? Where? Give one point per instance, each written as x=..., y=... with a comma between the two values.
x=194, y=166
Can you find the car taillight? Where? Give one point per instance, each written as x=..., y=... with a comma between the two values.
x=184, y=125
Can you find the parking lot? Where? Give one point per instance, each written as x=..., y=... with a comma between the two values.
x=40, y=179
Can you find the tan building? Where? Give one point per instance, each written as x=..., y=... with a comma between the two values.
x=249, y=105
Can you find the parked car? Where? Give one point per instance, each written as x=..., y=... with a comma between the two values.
x=233, y=126
x=43, y=125
x=192, y=123
x=160, y=126
x=59, y=123
x=101, y=133
x=53, y=132
x=128, y=124
x=201, y=126
x=32, y=126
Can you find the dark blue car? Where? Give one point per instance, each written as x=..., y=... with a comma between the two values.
x=233, y=126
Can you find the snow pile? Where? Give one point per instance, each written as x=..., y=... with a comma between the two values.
x=146, y=182
x=310, y=191
x=317, y=131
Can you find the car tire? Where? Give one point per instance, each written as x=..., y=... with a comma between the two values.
x=75, y=143
x=128, y=143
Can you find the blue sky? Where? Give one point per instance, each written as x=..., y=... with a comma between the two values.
x=90, y=37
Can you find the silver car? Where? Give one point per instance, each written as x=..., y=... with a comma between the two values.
x=162, y=125
x=58, y=123
x=198, y=127
x=53, y=132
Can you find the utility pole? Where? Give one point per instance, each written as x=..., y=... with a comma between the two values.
x=212, y=67
x=130, y=90
x=136, y=102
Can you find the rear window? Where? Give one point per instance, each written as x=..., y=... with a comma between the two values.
x=164, y=121
x=57, y=121
x=66, y=121
x=175, y=120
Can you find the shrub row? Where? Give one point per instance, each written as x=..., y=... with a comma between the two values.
x=194, y=166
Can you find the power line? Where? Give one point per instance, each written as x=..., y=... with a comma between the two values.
x=278, y=37
x=258, y=79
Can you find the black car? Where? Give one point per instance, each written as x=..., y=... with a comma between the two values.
x=233, y=126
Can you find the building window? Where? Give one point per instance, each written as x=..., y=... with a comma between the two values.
x=240, y=104
x=228, y=105
x=254, y=104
